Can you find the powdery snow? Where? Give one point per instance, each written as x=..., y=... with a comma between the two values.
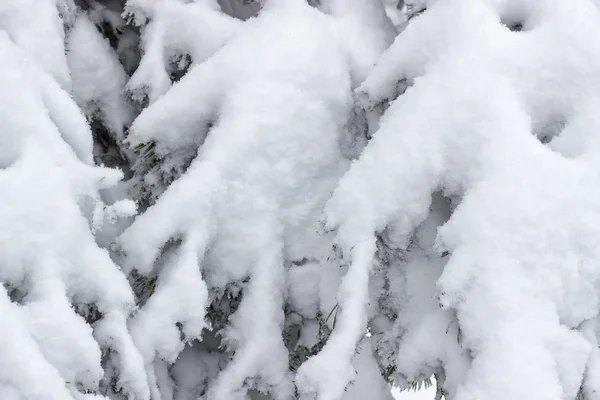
x=174, y=29
x=98, y=77
x=522, y=274
x=257, y=181
x=463, y=233
x=36, y=27
x=51, y=263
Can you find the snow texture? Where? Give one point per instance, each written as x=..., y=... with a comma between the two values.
x=98, y=77
x=36, y=27
x=53, y=272
x=337, y=251
x=258, y=183
x=173, y=29
x=489, y=82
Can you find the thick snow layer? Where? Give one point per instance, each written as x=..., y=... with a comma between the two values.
x=36, y=27
x=108, y=16
x=173, y=29
x=51, y=264
x=270, y=119
x=522, y=274
x=98, y=77
x=464, y=234
x=368, y=383
x=364, y=30
x=414, y=338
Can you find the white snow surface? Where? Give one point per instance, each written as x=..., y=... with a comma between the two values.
x=171, y=29
x=36, y=27
x=464, y=234
x=98, y=77
x=51, y=264
x=522, y=274
x=269, y=119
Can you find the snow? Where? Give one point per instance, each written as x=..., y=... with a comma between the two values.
x=395, y=12
x=368, y=383
x=175, y=28
x=98, y=77
x=51, y=262
x=325, y=205
x=26, y=371
x=364, y=30
x=242, y=222
x=426, y=394
x=521, y=273
x=254, y=204
x=36, y=27
x=180, y=288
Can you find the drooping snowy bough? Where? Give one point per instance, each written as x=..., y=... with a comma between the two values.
x=463, y=233
x=174, y=34
x=267, y=113
x=497, y=129
x=64, y=304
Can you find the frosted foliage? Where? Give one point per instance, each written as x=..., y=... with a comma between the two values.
x=36, y=27
x=414, y=337
x=173, y=29
x=368, y=383
x=335, y=196
x=124, y=38
x=492, y=81
x=98, y=77
x=395, y=12
x=354, y=24
x=248, y=202
x=51, y=265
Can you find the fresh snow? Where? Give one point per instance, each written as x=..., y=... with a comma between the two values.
x=51, y=262
x=247, y=219
x=314, y=200
x=521, y=275
x=98, y=77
